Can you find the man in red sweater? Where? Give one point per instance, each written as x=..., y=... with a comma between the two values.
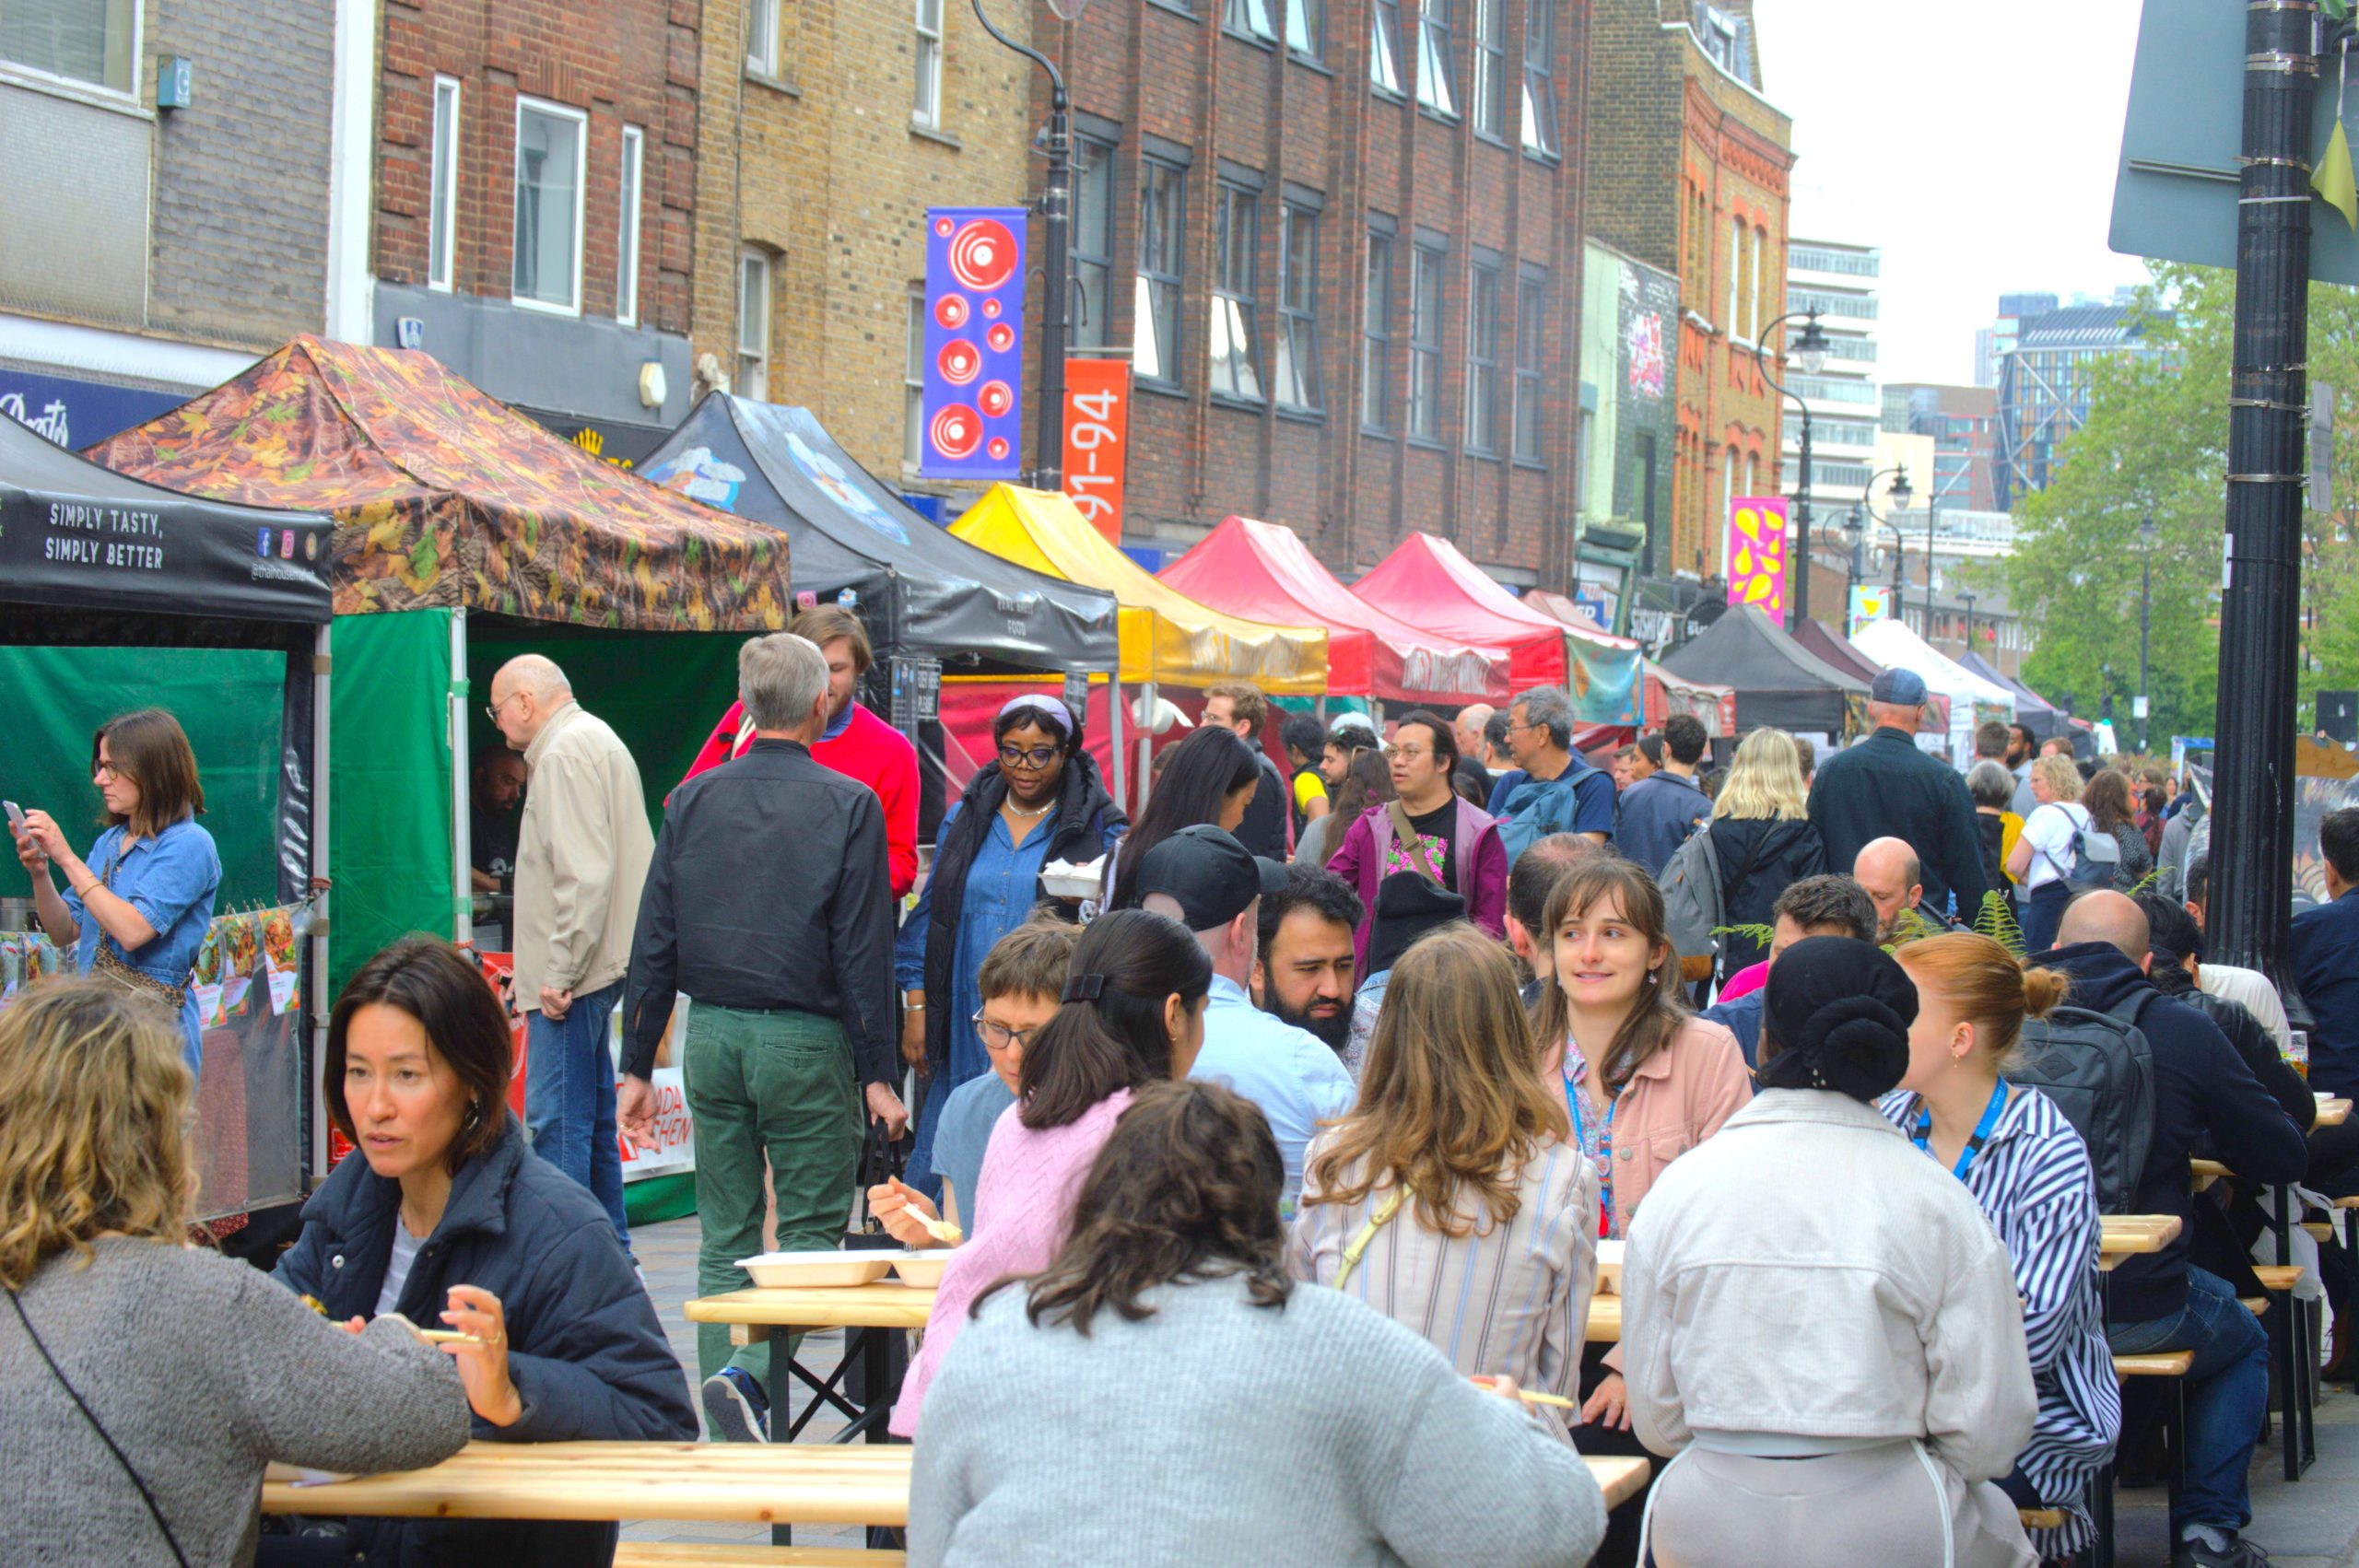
x=856, y=743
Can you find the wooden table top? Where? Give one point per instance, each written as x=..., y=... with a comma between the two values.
x=886, y=1304
x=752, y=1483
x=1604, y=1327
x=2334, y=1113
x=1620, y=1478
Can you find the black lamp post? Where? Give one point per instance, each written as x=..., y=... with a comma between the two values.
x=1899, y=496
x=1810, y=357
x=2146, y=532
x=1855, y=534
x=1056, y=222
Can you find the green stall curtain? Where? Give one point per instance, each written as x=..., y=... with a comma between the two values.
x=389, y=784
x=231, y=703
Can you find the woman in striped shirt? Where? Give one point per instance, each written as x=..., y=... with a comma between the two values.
x=1451, y=1200
x=2029, y=1172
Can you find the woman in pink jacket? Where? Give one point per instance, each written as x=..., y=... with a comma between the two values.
x=1644, y=1082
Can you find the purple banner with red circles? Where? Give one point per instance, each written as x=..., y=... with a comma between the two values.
x=974, y=342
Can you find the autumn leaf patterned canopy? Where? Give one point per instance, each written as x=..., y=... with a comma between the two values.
x=444, y=497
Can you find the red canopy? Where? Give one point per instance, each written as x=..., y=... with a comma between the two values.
x=1428, y=583
x=1261, y=571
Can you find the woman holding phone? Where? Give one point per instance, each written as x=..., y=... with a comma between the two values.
x=449, y=1218
x=136, y=911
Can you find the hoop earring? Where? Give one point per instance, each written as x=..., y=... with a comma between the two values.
x=474, y=1115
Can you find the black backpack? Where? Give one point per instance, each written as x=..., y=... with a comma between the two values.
x=2099, y=1070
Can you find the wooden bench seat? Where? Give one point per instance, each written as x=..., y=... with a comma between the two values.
x=698, y=1554
x=2033, y=1518
x=2161, y=1364
x=2276, y=1278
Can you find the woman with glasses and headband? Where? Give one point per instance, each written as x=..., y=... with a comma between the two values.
x=136, y=911
x=1040, y=799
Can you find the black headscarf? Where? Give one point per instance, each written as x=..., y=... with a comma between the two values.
x=1837, y=1010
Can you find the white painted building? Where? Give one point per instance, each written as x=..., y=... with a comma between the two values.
x=1845, y=397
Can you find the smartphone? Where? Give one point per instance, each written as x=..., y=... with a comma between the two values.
x=15, y=814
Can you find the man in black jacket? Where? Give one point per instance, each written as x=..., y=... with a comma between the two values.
x=1885, y=788
x=768, y=902
x=1267, y=829
x=2203, y=1091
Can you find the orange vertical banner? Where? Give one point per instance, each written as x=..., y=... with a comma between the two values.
x=1097, y=434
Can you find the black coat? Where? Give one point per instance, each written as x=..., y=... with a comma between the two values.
x=1760, y=857
x=585, y=1351
x=1884, y=787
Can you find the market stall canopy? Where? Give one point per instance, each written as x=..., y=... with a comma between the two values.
x=1666, y=693
x=76, y=538
x=1166, y=636
x=2034, y=712
x=1830, y=646
x=445, y=499
x=1427, y=582
x=1264, y=570
x=1896, y=647
x=1779, y=682
x=919, y=590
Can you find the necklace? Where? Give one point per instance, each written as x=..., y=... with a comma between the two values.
x=1011, y=809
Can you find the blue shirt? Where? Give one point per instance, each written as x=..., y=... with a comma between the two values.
x=1655, y=816
x=170, y=879
x=2326, y=967
x=1743, y=1018
x=960, y=1138
x=1003, y=886
x=1289, y=1073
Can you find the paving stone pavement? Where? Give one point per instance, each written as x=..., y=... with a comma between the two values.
x=2310, y=1524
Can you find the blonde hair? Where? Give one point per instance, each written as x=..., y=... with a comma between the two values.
x=94, y=1139
x=2063, y=778
x=1765, y=780
x=1990, y=985
x=1451, y=1099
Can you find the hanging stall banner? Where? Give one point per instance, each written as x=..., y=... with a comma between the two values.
x=1757, y=564
x=1098, y=435
x=974, y=342
x=1868, y=603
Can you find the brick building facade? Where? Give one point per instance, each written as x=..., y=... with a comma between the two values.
x=1343, y=248
x=1690, y=174
x=825, y=133
x=535, y=195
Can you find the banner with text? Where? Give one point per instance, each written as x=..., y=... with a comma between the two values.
x=974, y=342
x=1098, y=437
x=1756, y=561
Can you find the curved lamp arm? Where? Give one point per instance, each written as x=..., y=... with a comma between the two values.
x=1056, y=79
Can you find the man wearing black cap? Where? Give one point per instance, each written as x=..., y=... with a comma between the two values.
x=1205, y=879
x=1885, y=788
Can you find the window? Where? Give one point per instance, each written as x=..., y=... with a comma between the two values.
x=1434, y=89
x=1376, y=336
x=443, y=200
x=1728, y=483
x=1092, y=264
x=1540, y=77
x=1306, y=27
x=1716, y=34
x=1425, y=341
x=1384, y=45
x=1163, y=222
x=1761, y=302
x=627, y=243
x=1531, y=351
x=753, y=324
x=549, y=147
x=1491, y=66
x=926, y=108
x=1297, y=364
x=1856, y=263
x=85, y=40
x=1482, y=357
x=1248, y=18
x=1736, y=270
x=1237, y=364
x=1860, y=350
x=914, y=381
x=761, y=37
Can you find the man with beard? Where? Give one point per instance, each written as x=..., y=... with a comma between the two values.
x=1304, y=973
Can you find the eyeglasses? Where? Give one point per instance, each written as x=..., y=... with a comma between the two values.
x=492, y=712
x=1037, y=758
x=1000, y=1038
x=1409, y=754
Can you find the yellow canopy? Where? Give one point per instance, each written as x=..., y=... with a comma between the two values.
x=1166, y=636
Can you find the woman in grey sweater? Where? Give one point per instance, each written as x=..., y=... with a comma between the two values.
x=1209, y=1413
x=143, y=1385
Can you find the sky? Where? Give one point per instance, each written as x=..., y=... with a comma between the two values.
x=1974, y=142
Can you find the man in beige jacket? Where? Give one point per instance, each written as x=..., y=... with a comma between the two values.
x=582, y=854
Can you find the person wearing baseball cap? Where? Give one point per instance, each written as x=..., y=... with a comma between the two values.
x=1885, y=788
x=1203, y=878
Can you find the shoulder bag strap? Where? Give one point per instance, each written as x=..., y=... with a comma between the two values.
x=1357, y=1246
x=154, y=1510
x=1408, y=835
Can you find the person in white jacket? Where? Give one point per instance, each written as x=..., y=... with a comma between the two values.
x=1819, y=1327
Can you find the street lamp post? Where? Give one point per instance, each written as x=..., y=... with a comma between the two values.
x=2145, y=616
x=1056, y=220
x=1809, y=357
x=1897, y=496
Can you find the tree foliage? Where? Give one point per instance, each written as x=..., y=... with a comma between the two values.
x=2155, y=444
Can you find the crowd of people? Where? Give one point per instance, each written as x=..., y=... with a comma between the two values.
x=1280, y=1171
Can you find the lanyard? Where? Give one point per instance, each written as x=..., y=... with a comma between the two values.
x=1922, y=1137
x=1605, y=1151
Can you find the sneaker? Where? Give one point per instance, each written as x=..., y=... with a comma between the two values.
x=2238, y=1553
x=737, y=1411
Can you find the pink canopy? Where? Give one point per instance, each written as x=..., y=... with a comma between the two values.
x=1428, y=583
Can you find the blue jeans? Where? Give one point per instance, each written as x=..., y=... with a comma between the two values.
x=569, y=1098
x=2227, y=1390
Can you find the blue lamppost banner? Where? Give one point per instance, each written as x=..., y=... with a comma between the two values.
x=974, y=342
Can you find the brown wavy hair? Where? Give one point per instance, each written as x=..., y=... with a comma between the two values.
x=149, y=747
x=95, y=1137
x=1186, y=1189
x=1657, y=1012
x=1451, y=1099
